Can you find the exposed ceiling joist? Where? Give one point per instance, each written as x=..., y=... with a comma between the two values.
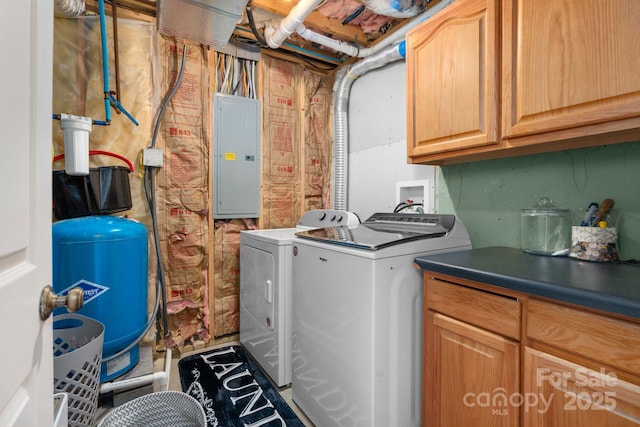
x=144, y=10
x=316, y=20
x=331, y=27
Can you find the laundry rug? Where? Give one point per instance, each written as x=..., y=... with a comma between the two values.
x=233, y=390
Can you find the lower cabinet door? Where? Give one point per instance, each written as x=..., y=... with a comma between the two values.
x=471, y=375
x=561, y=393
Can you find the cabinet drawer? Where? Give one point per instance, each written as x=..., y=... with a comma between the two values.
x=613, y=342
x=486, y=310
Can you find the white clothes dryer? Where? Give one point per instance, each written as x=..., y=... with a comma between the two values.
x=265, y=290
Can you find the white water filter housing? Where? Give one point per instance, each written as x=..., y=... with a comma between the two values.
x=76, y=143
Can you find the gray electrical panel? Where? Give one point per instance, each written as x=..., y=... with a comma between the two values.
x=236, y=168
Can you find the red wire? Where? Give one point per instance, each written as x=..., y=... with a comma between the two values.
x=108, y=153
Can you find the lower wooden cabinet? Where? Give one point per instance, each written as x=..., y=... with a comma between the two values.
x=561, y=393
x=470, y=375
x=494, y=357
x=583, y=368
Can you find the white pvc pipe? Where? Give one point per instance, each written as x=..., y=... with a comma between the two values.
x=294, y=22
x=400, y=33
x=161, y=377
x=334, y=44
x=288, y=25
x=164, y=382
x=349, y=49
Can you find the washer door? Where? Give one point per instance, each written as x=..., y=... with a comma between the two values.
x=256, y=286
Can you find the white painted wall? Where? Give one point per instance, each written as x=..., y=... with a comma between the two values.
x=377, y=143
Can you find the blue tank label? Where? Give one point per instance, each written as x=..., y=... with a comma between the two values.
x=91, y=290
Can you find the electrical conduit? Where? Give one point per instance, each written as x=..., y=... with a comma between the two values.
x=161, y=377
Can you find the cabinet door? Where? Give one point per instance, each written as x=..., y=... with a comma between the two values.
x=470, y=375
x=570, y=68
x=451, y=80
x=560, y=393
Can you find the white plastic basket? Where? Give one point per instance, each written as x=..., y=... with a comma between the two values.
x=60, y=410
x=160, y=409
x=77, y=351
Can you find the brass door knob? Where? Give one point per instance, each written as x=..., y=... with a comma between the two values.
x=49, y=301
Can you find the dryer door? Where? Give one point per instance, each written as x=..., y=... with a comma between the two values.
x=265, y=272
x=257, y=288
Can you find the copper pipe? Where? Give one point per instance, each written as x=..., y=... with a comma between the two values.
x=81, y=68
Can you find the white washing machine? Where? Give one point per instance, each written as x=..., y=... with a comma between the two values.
x=265, y=290
x=357, y=318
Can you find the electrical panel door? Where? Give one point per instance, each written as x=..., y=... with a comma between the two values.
x=236, y=168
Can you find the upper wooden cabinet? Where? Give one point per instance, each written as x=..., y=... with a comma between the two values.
x=567, y=73
x=570, y=65
x=452, y=80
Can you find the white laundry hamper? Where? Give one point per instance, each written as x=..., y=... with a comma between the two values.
x=77, y=351
x=161, y=409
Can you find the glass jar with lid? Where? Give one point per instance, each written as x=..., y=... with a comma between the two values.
x=545, y=229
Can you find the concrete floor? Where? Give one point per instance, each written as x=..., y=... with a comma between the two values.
x=174, y=378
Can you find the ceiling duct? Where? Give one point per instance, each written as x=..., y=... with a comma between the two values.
x=209, y=22
x=393, y=8
x=275, y=35
x=68, y=8
x=345, y=78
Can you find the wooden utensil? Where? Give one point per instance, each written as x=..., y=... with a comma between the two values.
x=604, y=209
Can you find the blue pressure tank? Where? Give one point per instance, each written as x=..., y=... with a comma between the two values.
x=107, y=257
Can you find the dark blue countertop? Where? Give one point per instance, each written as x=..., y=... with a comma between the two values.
x=612, y=287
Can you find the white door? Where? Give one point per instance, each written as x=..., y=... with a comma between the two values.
x=26, y=361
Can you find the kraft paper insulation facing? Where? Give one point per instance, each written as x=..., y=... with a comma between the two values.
x=78, y=90
x=148, y=67
x=318, y=150
x=296, y=157
x=287, y=88
x=226, y=272
x=296, y=148
x=183, y=190
x=281, y=136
